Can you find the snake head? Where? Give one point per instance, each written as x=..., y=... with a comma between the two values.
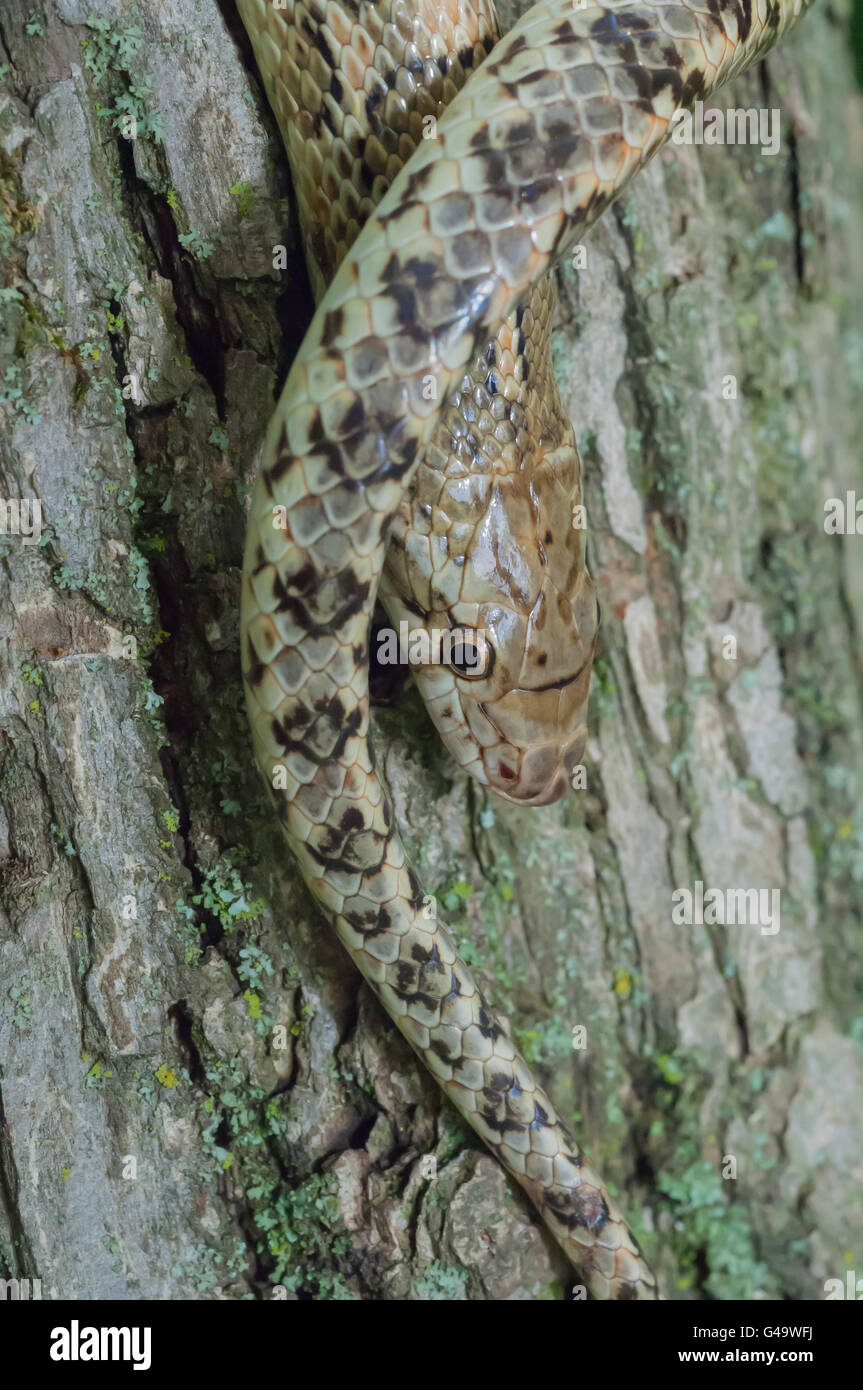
x=520, y=726
x=511, y=701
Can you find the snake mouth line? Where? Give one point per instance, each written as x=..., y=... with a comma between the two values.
x=560, y=684
x=556, y=685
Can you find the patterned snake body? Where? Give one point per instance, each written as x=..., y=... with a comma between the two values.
x=482, y=541
x=466, y=482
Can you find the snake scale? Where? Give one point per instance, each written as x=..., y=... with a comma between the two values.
x=418, y=453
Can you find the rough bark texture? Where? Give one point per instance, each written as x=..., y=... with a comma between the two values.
x=153, y=933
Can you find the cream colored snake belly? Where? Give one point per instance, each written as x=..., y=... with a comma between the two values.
x=418, y=453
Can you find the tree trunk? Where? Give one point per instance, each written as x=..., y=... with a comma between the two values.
x=198, y=1098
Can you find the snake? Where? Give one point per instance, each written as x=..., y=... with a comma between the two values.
x=418, y=454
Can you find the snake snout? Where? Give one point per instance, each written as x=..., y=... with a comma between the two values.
x=535, y=776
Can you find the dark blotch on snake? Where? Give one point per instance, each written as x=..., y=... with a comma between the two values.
x=607, y=29
x=304, y=580
x=354, y=417
x=576, y=1208
x=417, y=897
x=487, y=1026
x=441, y=1050
x=255, y=673
x=334, y=321
x=406, y=304
x=423, y=956
x=454, y=987
x=282, y=731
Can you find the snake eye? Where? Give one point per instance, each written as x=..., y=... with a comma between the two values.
x=470, y=654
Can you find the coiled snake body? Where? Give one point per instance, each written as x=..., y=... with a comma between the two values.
x=419, y=429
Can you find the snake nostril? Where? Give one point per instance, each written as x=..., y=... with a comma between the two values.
x=506, y=773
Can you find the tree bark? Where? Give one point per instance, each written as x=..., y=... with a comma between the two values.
x=198, y=1098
